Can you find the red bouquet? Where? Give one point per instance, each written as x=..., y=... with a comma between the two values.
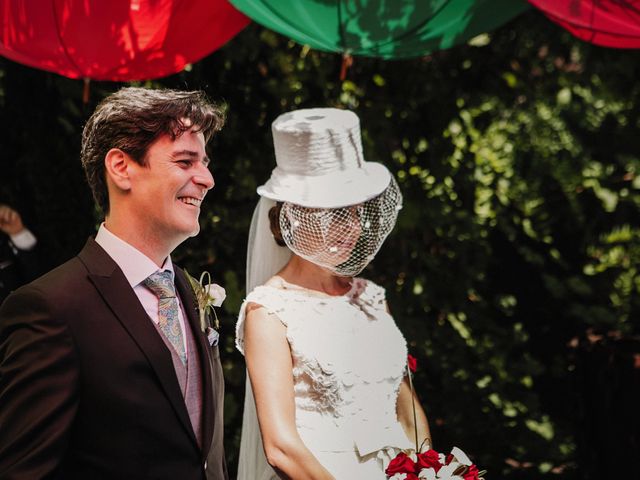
x=431, y=465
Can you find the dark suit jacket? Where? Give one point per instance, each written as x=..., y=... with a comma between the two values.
x=87, y=386
x=16, y=267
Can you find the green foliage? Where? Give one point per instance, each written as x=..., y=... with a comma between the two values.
x=519, y=239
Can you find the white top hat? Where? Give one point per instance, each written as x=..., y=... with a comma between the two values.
x=320, y=162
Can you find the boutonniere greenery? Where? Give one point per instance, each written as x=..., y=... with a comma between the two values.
x=208, y=295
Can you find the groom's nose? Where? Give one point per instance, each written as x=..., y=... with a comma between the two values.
x=204, y=177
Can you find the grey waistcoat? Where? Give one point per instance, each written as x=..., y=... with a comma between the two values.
x=189, y=378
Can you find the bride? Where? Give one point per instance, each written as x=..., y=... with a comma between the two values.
x=327, y=392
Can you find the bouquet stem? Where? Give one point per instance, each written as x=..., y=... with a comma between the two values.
x=413, y=407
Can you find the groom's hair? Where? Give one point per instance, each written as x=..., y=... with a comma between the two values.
x=132, y=119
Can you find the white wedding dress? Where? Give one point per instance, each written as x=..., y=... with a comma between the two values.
x=349, y=359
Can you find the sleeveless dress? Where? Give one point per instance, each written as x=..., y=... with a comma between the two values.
x=349, y=359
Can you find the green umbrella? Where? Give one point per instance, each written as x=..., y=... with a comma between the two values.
x=381, y=28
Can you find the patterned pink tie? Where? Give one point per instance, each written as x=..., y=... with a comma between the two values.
x=161, y=284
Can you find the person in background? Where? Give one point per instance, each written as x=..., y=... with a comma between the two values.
x=19, y=260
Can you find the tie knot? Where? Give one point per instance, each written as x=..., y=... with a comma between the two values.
x=161, y=284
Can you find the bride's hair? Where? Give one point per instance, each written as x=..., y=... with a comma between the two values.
x=274, y=223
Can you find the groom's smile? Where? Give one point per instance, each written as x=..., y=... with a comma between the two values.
x=191, y=201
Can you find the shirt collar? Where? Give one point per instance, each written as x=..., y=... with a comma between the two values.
x=135, y=265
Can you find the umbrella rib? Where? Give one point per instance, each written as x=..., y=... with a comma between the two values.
x=343, y=42
x=62, y=44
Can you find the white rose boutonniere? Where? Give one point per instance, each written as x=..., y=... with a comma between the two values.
x=208, y=295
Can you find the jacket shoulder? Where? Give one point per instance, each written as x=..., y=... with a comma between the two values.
x=65, y=277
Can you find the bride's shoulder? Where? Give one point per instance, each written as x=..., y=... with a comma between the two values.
x=271, y=295
x=276, y=282
x=272, y=288
x=368, y=288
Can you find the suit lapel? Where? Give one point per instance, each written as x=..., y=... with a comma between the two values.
x=114, y=288
x=208, y=406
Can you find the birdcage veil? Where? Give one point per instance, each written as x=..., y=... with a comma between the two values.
x=343, y=240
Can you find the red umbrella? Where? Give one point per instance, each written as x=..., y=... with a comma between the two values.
x=610, y=23
x=118, y=40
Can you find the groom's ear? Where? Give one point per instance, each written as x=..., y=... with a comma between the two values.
x=116, y=165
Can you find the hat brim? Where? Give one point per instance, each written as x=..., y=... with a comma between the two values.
x=335, y=190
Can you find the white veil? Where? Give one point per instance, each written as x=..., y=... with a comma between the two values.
x=264, y=259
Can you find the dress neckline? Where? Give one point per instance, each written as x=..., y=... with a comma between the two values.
x=283, y=285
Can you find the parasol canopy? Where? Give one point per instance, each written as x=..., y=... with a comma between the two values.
x=381, y=28
x=609, y=23
x=118, y=40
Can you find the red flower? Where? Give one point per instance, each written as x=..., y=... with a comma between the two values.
x=412, y=362
x=471, y=473
x=401, y=464
x=429, y=459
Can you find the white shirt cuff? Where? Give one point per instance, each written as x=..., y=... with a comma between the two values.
x=24, y=240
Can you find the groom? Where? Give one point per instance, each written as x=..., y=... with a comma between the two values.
x=105, y=371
